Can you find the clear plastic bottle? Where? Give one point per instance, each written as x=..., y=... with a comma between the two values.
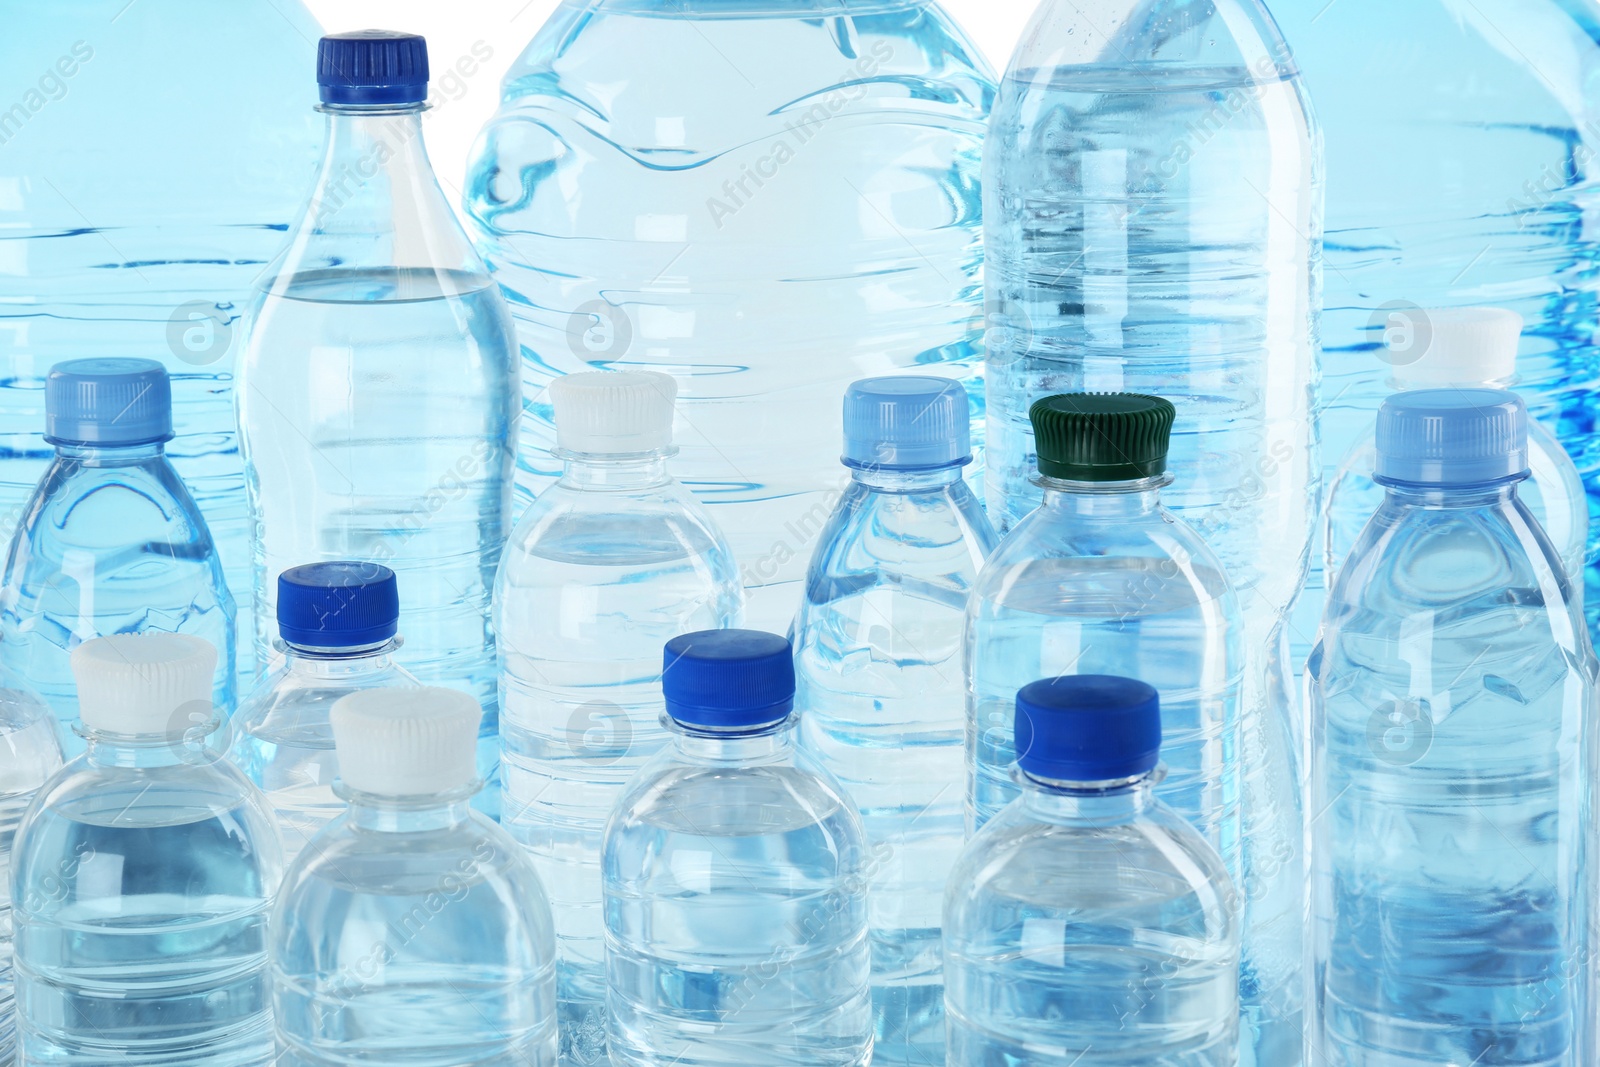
x=339, y=626
x=1452, y=700
x=1088, y=922
x=111, y=542
x=1467, y=347
x=413, y=931
x=378, y=390
x=878, y=671
x=736, y=875
x=151, y=155
x=607, y=565
x=29, y=755
x=143, y=874
x=760, y=197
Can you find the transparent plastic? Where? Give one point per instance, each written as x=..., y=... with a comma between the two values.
x=607, y=565
x=878, y=673
x=736, y=873
x=29, y=754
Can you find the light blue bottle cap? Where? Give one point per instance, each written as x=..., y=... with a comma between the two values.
x=1452, y=437
x=107, y=402
x=1088, y=728
x=906, y=424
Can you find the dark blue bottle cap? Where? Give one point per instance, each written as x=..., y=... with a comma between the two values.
x=1448, y=437
x=373, y=68
x=337, y=605
x=1088, y=728
x=728, y=679
x=906, y=423
x=107, y=402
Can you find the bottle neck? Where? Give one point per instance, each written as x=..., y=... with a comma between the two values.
x=763, y=745
x=408, y=815
x=376, y=177
x=112, y=455
x=186, y=746
x=1108, y=803
x=1103, y=500
x=1487, y=494
x=341, y=662
x=596, y=471
x=892, y=481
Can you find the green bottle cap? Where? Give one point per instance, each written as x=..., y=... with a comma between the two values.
x=1102, y=437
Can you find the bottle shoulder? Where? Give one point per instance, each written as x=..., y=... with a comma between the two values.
x=93, y=504
x=292, y=706
x=568, y=524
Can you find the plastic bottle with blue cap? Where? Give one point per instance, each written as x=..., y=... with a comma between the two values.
x=1088, y=921
x=111, y=541
x=877, y=655
x=1452, y=747
x=736, y=879
x=379, y=388
x=610, y=562
x=338, y=625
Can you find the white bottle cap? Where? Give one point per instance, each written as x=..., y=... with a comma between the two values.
x=1455, y=346
x=144, y=684
x=614, y=412
x=406, y=742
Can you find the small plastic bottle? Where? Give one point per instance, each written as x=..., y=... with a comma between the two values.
x=736, y=874
x=339, y=625
x=412, y=930
x=1089, y=922
x=143, y=875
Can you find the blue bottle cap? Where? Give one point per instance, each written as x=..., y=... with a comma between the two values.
x=1451, y=437
x=373, y=68
x=1088, y=728
x=337, y=605
x=728, y=679
x=906, y=423
x=107, y=402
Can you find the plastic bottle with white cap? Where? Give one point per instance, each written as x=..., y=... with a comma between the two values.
x=146, y=866
x=605, y=567
x=1467, y=347
x=413, y=929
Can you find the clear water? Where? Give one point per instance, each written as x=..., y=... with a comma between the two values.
x=878, y=666
x=1452, y=703
x=157, y=263
x=282, y=738
x=765, y=198
x=1091, y=930
x=141, y=919
x=1461, y=163
x=29, y=754
x=736, y=913
x=378, y=425
x=606, y=566
x=111, y=542
x=413, y=937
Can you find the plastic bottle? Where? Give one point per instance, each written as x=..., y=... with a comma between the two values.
x=1452, y=701
x=339, y=626
x=1460, y=154
x=1463, y=347
x=111, y=541
x=126, y=237
x=378, y=390
x=736, y=875
x=1088, y=922
x=878, y=675
x=607, y=565
x=760, y=197
x=29, y=755
x=143, y=874
x=412, y=930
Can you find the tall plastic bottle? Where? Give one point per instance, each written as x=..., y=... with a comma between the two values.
x=608, y=564
x=1462, y=153
x=29, y=755
x=143, y=874
x=736, y=879
x=1464, y=347
x=1089, y=922
x=878, y=674
x=111, y=541
x=378, y=389
x=204, y=114
x=412, y=930
x=761, y=197
x=339, y=628
x=1453, y=699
